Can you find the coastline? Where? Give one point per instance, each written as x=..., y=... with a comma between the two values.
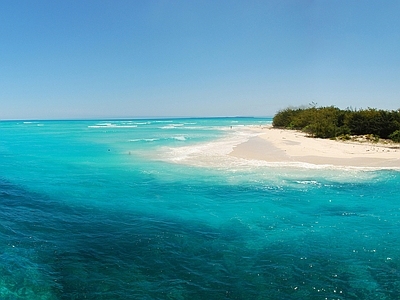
x=290, y=146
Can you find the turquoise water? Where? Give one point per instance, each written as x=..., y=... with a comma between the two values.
x=157, y=209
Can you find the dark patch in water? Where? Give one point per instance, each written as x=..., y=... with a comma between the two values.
x=55, y=251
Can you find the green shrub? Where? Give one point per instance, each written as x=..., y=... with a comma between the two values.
x=331, y=122
x=395, y=136
x=372, y=138
x=344, y=137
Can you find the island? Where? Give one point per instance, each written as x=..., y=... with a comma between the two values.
x=327, y=137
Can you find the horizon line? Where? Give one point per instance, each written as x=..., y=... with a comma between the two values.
x=130, y=118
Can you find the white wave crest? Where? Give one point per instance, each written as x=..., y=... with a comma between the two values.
x=111, y=125
x=179, y=138
x=144, y=140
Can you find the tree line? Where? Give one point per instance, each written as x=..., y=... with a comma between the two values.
x=332, y=122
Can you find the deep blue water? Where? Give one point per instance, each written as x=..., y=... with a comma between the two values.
x=155, y=209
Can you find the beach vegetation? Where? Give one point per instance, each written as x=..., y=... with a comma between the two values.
x=343, y=137
x=395, y=136
x=332, y=122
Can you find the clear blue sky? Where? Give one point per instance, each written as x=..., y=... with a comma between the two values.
x=116, y=58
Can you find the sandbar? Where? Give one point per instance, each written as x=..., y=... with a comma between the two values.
x=286, y=146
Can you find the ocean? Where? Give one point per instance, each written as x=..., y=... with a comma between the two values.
x=157, y=209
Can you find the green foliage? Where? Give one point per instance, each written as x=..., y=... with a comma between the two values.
x=284, y=117
x=344, y=137
x=395, y=136
x=372, y=121
x=331, y=122
x=372, y=138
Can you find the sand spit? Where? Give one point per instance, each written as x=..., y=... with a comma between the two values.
x=288, y=146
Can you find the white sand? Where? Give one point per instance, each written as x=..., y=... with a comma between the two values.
x=277, y=145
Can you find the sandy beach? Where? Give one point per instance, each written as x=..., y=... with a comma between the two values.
x=277, y=145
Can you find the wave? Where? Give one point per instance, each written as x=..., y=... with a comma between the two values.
x=33, y=123
x=172, y=126
x=142, y=123
x=308, y=182
x=178, y=138
x=110, y=125
x=203, y=154
x=144, y=140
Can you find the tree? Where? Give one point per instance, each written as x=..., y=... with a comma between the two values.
x=329, y=122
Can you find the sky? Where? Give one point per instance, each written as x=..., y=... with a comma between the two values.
x=151, y=58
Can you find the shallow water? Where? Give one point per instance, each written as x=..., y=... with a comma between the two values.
x=155, y=209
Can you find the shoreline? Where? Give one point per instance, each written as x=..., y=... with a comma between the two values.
x=289, y=146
